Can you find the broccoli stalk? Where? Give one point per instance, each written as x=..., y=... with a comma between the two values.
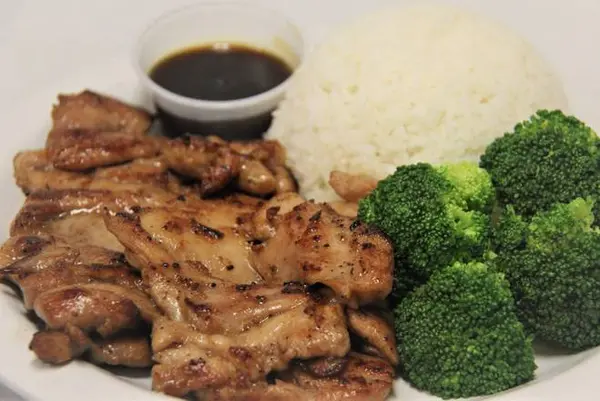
x=548, y=159
x=434, y=216
x=458, y=335
x=553, y=266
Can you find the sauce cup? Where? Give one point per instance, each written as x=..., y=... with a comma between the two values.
x=205, y=24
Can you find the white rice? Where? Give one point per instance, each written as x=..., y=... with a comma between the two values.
x=427, y=83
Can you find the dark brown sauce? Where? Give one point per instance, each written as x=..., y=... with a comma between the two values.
x=219, y=72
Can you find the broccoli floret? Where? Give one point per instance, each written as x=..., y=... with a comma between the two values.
x=433, y=216
x=508, y=232
x=459, y=336
x=554, y=272
x=548, y=159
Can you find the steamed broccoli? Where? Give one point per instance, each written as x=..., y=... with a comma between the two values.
x=548, y=159
x=553, y=266
x=458, y=335
x=433, y=215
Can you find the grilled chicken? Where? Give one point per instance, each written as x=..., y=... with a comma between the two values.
x=90, y=110
x=357, y=378
x=256, y=167
x=34, y=172
x=59, y=265
x=263, y=222
x=211, y=162
x=213, y=306
x=248, y=298
x=90, y=130
x=191, y=361
x=163, y=235
x=218, y=334
x=103, y=308
x=70, y=216
x=151, y=175
x=58, y=347
x=126, y=350
x=314, y=244
x=23, y=246
x=78, y=291
x=376, y=330
x=351, y=187
x=75, y=215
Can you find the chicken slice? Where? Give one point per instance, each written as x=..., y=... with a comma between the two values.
x=99, y=307
x=376, y=330
x=34, y=172
x=313, y=244
x=59, y=347
x=74, y=216
x=149, y=174
x=255, y=167
x=212, y=163
x=69, y=216
x=269, y=151
x=22, y=246
x=360, y=378
x=213, y=306
x=132, y=351
x=58, y=266
x=256, y=178
x=90, y=110
x=166, y=235
x=73, y=313
x=191, y=361
x=81, y=150
x=351, y=187
x=90, y=130
x=263, y=222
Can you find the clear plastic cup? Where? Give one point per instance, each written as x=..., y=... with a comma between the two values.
x=214, y=22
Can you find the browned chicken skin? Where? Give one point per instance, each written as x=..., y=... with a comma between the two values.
x=132, y=351
x=263, y=222
x=90, y=110
x=34, y=172
x=163, y=235
x=189, y=360
x=351, y=187
x=61, y=265
x=359, y=378
x=58, y=347
x=103, y=308
x=212, y=163
x=91, y=130
x=313, y=244
x=256, y=167
x=376, y=330
x=70, y=216
x=213, y=306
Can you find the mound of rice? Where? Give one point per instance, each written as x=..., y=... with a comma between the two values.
x=426, y=83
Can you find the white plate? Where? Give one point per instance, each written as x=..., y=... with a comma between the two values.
x=65, y=45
